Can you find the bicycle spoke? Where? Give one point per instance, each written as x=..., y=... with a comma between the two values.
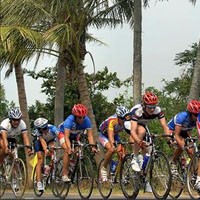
x=192, y=175
x=85, y=178
x=104, y=187
x=129, y=179
x=19, y=178
x=160, y=176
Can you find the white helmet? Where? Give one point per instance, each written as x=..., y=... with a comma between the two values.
x=40, y=123
x=15, y=113
x=122, y=111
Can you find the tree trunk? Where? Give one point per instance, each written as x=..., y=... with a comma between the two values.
x=85, y=99
x=195, y=86
x=24, y=109
x=137, y=57
x=60, y=88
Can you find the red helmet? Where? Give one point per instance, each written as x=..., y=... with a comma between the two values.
x=79, y=110
x=149, y=98
x=193, y=106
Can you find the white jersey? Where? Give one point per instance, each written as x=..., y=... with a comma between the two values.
x=13, y=132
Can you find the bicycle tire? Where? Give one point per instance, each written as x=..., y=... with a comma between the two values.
x=160, y=175
x=3, y=183
x=178, y=182
x=85, y=174
x=192, y=176
x=129, y=179
x=60, y=188
x=36, y=191
x=19, y=178
x=105, y=187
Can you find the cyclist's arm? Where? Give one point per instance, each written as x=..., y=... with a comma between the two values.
x=5, y=140
x=44, y=145
x=179, y=139
x=26, y=141
x=164, y=125
x=67, y=140
x=90, y=136
x=111, y=138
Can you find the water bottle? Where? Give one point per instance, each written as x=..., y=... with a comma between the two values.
x=113, y=166
x=146, y=158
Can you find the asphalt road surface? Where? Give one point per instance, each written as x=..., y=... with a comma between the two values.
x=74, y=195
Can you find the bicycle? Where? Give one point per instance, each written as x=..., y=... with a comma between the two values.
x=105, y=187
x=192, y=174
x=48, y=177
x=157, y=172
x=80, y=170
x=13, y=172
x=179, y=181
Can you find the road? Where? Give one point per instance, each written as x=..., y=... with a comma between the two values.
x=74, y=195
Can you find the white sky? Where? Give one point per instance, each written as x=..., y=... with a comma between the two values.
x=169, y=28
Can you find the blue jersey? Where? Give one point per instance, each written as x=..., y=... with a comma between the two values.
x=50, y=135
x=75, y=128
x=182, y=119
x=198, y=124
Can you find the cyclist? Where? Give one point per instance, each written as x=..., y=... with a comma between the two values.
x=181, y=126
x=109, y=133
x=76, y=123
x=10, y=129
x=197, y=184
x=44, y=135
x=141, y=114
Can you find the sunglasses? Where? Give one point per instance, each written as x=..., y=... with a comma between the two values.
x=81, y=117
x=151, y=107
x=44, y=129
x=195, y=114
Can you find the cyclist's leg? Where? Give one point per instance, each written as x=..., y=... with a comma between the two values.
x=136, y=165
x=107, y=157
x=40, y=156
x=65, y=169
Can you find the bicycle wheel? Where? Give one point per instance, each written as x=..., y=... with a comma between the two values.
x=104, y=187
x=129, y=179
x=160, y=175
x=19, y=178
x=192, y=176
x=85, y=174
x=36, y=191
x=60, y=188
x=178, y=182
x=2, y=181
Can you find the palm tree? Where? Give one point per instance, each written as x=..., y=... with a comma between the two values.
x=16, y=49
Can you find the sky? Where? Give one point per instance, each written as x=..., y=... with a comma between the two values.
x=169, y=27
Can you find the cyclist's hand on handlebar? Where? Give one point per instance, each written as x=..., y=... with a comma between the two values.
x=143, y=144
x=7, y=151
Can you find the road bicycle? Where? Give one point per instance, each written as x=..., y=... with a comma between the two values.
x=157, y=171
x=81, y=170
x=179, y=180
x=192, y=174
x=13, y=172
x=114, y=176
x=48, y=176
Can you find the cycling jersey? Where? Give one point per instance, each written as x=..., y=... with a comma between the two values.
x=75, y=128
x=49, y=136
x=111, y=123
x=182, y=119
x=13, y=132
x=198, y=124
x=139, y=115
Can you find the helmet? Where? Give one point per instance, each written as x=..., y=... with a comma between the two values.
x=40, y=123
x=79, y=110
x=15, y=113
x=193, y=106
x=121, y=111
x=149, y=98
